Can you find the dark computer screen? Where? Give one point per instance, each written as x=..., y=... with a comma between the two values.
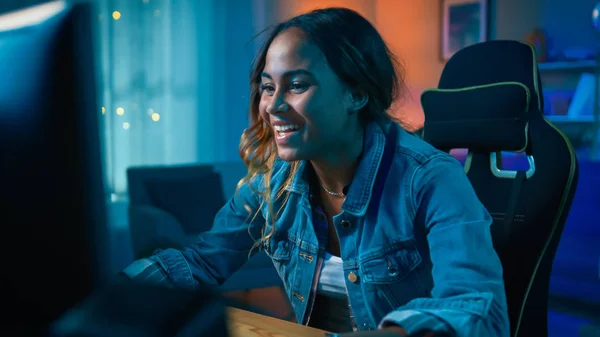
x=55, y=274
x=53, y=238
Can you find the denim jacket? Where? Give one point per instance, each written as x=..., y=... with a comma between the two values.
x=414, y=238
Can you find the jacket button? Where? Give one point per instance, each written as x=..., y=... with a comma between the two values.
x=352, y=277
x=346, y=223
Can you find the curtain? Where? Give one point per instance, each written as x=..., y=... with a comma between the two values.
x=174, y=80
x=150, y=95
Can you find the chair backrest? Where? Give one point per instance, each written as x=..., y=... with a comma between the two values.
x=193, y=194
x=489, y=100
x=138, y=176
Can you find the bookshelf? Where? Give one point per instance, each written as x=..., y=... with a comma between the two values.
x=582, y=130
x=585, y=65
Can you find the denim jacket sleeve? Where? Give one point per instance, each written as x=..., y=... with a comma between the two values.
x=215, y=255
x=468, y=298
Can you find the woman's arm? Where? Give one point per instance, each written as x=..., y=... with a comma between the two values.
x=468, y=298
x=215, y=255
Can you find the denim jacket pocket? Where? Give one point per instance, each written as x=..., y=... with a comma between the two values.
x=391, y=267
x=391, y=279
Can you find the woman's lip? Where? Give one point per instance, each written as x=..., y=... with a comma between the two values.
x=285, y=131
x=296, y=128
x=283, y=137
x=282, y=122
x=286, y=124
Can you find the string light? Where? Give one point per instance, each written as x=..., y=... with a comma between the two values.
x=120, y=111
x=150, y=112
x=116, y=15
x=103, y=110
x=155, y=117
x=126, y=126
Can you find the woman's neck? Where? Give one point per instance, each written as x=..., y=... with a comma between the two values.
x=337, y=168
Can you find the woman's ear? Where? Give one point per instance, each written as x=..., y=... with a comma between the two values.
x=356, y=101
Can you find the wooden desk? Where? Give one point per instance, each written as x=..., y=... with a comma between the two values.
x=248, y=324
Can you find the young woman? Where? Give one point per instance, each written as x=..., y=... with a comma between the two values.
x=368, y=226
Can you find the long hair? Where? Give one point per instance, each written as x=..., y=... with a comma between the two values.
x=359, y=57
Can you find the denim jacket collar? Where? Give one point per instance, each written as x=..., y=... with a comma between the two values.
x=361, y=187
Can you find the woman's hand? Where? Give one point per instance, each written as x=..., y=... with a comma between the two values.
x=395, y=328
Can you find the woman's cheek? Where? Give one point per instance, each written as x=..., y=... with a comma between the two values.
x=262, y=109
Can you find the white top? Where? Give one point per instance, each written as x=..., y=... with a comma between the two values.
x=331, y=279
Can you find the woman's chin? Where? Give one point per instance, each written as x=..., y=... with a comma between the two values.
x=288, y=154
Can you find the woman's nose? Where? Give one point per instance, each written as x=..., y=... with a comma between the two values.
x=277, y=105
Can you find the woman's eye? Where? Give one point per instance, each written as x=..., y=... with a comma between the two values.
x=267, y=88
x=298, y=87
x=295, y=87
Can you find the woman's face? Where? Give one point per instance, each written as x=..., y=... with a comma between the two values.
x=303, y=101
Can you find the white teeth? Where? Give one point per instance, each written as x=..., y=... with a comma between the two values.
x=284, y=128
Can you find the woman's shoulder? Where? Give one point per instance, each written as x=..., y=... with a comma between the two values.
x=416, y=162
x=412, y=149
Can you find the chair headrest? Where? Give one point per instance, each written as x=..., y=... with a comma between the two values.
x=485, y=98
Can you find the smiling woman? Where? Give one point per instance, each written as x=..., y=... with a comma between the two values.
x=369, y=227
x=297, y=88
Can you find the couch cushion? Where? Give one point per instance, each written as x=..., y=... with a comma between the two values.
x=193, y=202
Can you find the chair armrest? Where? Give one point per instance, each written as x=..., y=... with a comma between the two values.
x=152, y=228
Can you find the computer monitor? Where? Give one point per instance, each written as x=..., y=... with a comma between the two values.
x=53, y=233
x=53, y=229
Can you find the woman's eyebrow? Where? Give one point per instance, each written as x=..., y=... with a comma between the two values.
x=290, y=73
